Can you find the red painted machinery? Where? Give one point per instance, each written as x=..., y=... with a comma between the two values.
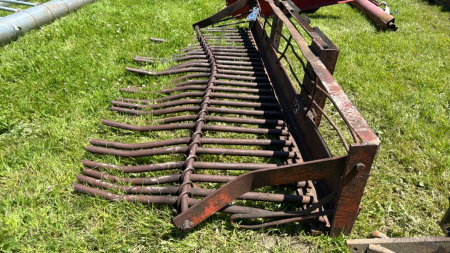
x=304, y=5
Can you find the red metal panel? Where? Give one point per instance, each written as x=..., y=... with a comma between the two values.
x=304, y=5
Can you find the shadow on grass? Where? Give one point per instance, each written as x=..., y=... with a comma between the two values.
x=289, y=229
x=322, y=16
x=444, y=4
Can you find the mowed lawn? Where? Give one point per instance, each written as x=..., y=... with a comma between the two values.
x=57, y=82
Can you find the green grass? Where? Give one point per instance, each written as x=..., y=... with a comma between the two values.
x=57, y=82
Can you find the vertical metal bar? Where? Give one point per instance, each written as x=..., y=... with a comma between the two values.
x=277, y=25
x=189, y=167
x=357, y=171
x=328, y=54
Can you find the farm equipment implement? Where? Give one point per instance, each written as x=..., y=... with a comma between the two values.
x=260, y=79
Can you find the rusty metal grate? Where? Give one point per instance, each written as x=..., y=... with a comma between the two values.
x=235, y=82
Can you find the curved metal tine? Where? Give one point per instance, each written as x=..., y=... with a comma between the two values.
x=130, y=127
x=271, y=131
x=186, y=140
x=355, y=138
x=196, y=109
x=191, y=82
x=344, y=142
x=203, y=87
x=183, y=58
x=175, y=178
x=182, y=150
x=182, y=88
x=250, y=60
x=194, y=102
x=137, y=146
x=198, y=94
x=157, y=105
x=279, y=214
x=310, y=218
x=242, y=72
x=240, y=63
x=189, y=76
x=179, y=164
x=167, y=72
x=194, y=63
x=257, y=84
x=242, y=78
x=171, y=190
x=166, y=98
x=238, y=120
x=168, y=58
x=249, y=68
x=135, y=168
x=158, y=199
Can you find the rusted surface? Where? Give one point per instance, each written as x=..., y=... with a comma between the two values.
x=382, y=20
x=304, y=5
x=402, y=245
x=235, y=81
x=282, y=175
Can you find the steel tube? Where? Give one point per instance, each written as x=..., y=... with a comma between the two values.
x=15, y=25
x=19, y=2
x=8, y=9
x=383, y=20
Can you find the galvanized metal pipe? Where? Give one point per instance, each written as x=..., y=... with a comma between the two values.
x=9, y=9
x=19, y=2
x=15, y=25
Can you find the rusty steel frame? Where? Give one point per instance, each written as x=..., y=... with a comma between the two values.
x=250, y=61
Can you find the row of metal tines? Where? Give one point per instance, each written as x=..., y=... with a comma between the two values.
x=225, y=70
